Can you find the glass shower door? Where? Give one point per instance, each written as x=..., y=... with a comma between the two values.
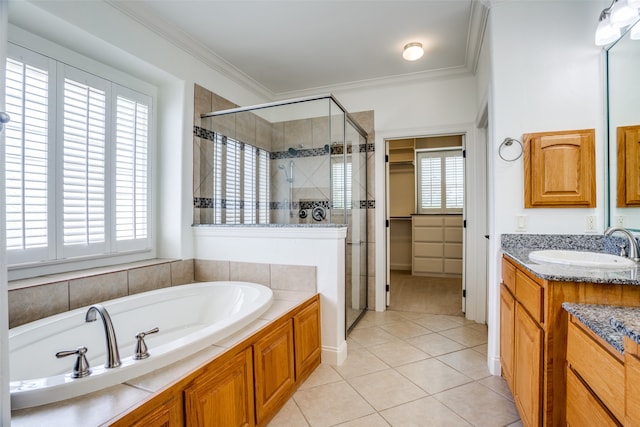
x=356, y=266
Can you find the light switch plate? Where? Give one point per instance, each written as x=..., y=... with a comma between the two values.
x=521, y=223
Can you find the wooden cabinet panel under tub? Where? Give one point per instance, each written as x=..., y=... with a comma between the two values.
x=247, y=384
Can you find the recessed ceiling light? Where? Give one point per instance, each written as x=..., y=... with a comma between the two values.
x=413, y=51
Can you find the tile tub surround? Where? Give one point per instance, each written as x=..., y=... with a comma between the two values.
x=99, y=407
x=36, y=298
x=519, y=246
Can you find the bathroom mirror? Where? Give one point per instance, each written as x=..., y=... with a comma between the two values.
x=623, y=109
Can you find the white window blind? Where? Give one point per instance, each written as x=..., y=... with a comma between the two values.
x=341, y=193
x=440, y=181
x=263, y=187
x=77, y=181
x=232, y=182
x=217, y=175
x=83, y=164
x=26, y=155
x=250, y=173
x=131, y=165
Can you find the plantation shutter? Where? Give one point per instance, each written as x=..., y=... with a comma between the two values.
x=440, y=181
x=250, y=184
x=217, y=176
x=232, y=187
x=341, y=185
x=263, y=187
x=84, y=136
x=131, y=169
x=28, y=85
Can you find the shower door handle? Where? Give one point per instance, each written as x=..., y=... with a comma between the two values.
x=4, y=118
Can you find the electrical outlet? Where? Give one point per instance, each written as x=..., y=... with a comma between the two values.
x=521, y=223
x=619, y=221
x=591, y=223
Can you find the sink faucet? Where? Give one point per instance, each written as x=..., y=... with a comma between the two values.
x=634, y=251
x=113, y=357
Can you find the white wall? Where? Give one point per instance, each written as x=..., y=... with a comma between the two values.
x=545, y=76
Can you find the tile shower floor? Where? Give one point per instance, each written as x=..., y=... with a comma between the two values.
x=405, y=369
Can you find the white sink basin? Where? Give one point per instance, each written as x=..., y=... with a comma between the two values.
x=581, y=259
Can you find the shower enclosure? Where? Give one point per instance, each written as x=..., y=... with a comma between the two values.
x=300, y=162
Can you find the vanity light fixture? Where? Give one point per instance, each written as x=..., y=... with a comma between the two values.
x=605, y=32
x=412, y=51
x=614, y=19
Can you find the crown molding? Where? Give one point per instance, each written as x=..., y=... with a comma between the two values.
x=183, y=41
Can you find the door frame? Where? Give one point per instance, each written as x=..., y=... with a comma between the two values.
x=473, y=235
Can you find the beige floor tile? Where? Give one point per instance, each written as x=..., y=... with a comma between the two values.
x=405, y=329
x=386, y=389
x=371, y=336
x=373, y=420
x=482, y=349
x=426, y=412
x=479, y=405
x=397, y=353
x=377, y=318
x=433, y=376
x=360, y=362
x=324, y=374
x=352, y=345
x=497, y=384
x=469, y=362
x=437, y=322
x=516, y=424
x=289, y=416
x=466, y=336
x=331, y=404
x=435, y=344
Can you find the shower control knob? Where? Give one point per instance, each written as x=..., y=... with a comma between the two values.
x=81, y=367
x=318, y=213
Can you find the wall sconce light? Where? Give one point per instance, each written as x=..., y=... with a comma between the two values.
x=613, y=19
x=413, y=51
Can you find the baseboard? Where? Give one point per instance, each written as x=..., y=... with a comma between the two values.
x=334, y=355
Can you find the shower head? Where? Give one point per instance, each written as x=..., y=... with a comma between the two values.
x=293, y=151
x=289, y=177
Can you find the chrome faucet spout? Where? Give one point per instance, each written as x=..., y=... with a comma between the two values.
x=113, y=356
x=634, y=250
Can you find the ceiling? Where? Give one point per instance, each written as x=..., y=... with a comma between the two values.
x=280, y=48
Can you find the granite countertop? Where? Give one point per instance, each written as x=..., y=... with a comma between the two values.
x=611, y=323
x=519, y=247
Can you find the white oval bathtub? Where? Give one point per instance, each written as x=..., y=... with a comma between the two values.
x=190, y=318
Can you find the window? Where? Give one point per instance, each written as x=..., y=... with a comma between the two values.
x=77, y=162
x=440, y=177
x=240, y=182
x=341, y=185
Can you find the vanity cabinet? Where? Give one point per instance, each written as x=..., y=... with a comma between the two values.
x=559, y=169
x=628, y=183
x=533, y=337
x=244, y=386
x=595, y=379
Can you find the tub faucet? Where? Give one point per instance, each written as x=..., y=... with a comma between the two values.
x=634, y=251
x=113, y=357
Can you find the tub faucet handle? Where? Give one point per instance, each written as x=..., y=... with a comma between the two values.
x=141, y=351
x=81, y=367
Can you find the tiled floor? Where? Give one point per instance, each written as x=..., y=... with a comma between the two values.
x=405, y=369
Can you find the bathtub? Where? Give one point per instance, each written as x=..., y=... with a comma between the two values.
x=189, y=318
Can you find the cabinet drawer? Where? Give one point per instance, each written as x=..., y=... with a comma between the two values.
x=529, y=294
x=599, y=368
x=632, y=389
x=583, y=409
x=509, y=275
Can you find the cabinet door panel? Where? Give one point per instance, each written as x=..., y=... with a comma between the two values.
x=222, y=396
x=274, y=369
x=306, y=327
x=528, y=368
x=628, y=184
x=507, y=318
x=583, y=409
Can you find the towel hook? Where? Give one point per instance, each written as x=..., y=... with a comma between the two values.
x=508, y=142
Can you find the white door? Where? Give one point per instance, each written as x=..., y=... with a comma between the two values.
x=5, y=404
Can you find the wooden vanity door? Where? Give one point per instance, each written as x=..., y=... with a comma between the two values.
x=559, y=169
x=628, y=184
